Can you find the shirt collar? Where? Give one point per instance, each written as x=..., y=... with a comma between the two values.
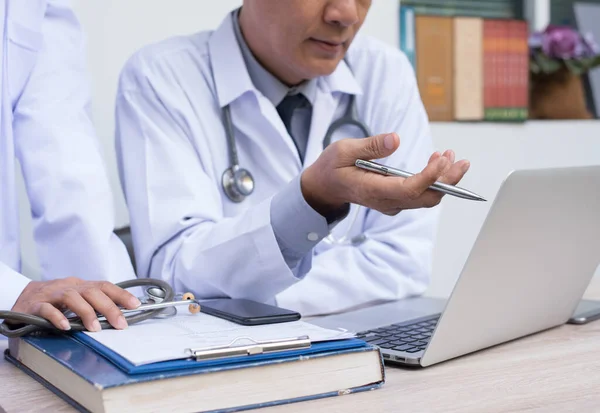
x=236, y=70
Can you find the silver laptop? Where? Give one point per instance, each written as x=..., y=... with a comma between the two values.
x=532, y=261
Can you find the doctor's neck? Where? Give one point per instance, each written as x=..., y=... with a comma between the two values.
x=264, y=54
x=297, y=40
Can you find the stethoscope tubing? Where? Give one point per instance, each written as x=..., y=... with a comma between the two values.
x=34, y=324
x=233, y=188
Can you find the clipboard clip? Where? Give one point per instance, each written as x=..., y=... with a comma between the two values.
x=257, y=347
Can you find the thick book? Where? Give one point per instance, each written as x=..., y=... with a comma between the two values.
x=435, y=52
x=468, y=69
x=96, y=381
x=492, y=31
x=506, y=57
x=519, y=71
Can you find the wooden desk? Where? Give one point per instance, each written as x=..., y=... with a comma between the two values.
x=556, y=370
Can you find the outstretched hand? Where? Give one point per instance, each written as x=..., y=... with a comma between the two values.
x=334, y=180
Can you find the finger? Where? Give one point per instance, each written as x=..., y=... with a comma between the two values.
x=54, y=315
x=119, y=295
x=418, y=183
x=373, y=147
x=105, y=306
x=76, y=303
x=455, y=173
x=450, y=155
x=433, y=157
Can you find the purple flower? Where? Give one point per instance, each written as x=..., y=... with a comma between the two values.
x=561, y=42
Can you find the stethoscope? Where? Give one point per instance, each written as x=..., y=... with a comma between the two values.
x=238, y=182
x=160, y=302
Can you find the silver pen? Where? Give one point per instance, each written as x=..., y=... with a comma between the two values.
x=438, y=186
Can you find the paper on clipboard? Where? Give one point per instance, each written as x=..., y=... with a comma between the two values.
x=158, y=340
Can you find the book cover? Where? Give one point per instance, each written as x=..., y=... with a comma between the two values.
x=434, y=40
x=468, y=69
x=519, y=32
x=490, y=88
x=497, y=70
x=503, y=71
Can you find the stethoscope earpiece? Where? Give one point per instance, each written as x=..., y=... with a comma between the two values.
x=238, y=183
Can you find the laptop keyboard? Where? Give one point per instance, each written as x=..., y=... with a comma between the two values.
x=410, y=337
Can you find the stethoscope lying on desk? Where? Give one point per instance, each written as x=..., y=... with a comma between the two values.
x=160, y=302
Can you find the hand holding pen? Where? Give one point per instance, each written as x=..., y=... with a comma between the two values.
x=437, y=186
x=334, y=180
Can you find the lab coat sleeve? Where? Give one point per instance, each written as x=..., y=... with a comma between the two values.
x=66, y=181
x=395, y=261
x=176, y=212
x=297, y=226
x=13, y=284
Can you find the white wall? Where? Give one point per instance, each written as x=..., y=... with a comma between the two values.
x=116, y=28
x=494, y=150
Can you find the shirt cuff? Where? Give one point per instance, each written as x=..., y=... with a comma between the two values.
x=13, y=285
x=298, y=228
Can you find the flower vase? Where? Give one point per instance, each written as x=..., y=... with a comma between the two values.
x=559, y=95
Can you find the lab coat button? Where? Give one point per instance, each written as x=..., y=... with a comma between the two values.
x=312, y=236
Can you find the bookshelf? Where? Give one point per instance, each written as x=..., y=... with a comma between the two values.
x=472, y=61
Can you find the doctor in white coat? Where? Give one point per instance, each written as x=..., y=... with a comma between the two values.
x=316, y=234
x=45, y=124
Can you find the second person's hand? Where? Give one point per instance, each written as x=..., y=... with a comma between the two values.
x=47, y=298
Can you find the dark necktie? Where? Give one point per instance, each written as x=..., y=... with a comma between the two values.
x=286, y=111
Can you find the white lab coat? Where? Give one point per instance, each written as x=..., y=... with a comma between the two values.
x=46, y=125
x=172, y=152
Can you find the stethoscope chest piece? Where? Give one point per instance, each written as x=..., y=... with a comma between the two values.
x=238, y=183
x=155, y=295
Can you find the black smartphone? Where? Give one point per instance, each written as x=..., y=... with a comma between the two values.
x=247, y=312
x=587, y=310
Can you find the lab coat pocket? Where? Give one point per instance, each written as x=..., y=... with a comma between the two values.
x=23, y=46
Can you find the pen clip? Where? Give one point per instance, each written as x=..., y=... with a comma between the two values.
x=257, y=347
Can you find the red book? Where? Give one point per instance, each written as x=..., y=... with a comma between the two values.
x=489, y=67
x=503, y=69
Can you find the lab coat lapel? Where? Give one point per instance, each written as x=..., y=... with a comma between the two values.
x=253, y=116
x=259, y=122
x=329, y=94
x=228, y=68
x=322, y=116
x=269, y=112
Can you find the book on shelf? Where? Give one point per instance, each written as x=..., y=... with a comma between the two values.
x=434, y=40
x=469, y=68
